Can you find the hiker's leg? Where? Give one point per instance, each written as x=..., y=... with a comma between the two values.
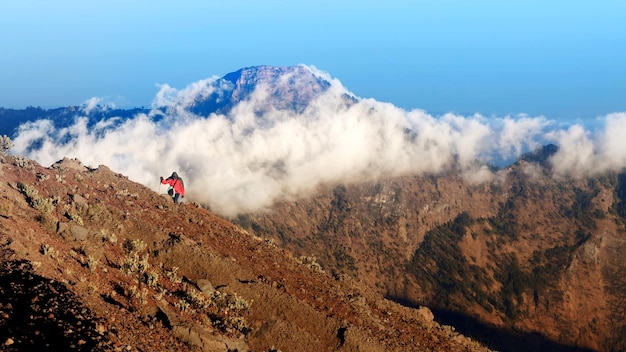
x=176, y=197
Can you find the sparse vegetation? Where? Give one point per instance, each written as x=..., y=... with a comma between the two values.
x=441, y=266
x=75, y=218
x=151, y=278
x=182, y=304
x=581, y=209
x=173, y=275
x=23, y=162
x=108, y=237
x=619, y=207
x=134, y=245
x=311, y=263
x=92, y=263
x=134, y=264
x=47, y=250
x=45, y=205
x=42, y=177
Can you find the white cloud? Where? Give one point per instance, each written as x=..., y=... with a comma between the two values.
x=90, y=104
x=241, y=162
x=584, y=152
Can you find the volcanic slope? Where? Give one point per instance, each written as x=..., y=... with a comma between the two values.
x=92, y=261
x=525, y=260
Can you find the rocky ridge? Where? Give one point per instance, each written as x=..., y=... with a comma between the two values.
x=92, y=261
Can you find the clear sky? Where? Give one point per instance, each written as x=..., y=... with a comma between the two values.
x=561, y=59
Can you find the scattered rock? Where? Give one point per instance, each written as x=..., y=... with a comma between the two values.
x=72, y=232
x=205, y=286
x=426, y=314
x=66, y=163
x=80, y=200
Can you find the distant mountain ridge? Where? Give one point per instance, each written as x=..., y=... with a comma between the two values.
x=289, y=88
x=11, y=119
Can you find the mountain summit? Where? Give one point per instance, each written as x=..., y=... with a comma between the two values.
x=290, y=88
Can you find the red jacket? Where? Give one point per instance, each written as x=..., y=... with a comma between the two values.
x=176, y=183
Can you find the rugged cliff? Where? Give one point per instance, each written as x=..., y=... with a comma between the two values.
x=523, y=260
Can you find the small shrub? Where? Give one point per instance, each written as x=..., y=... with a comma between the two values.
x=130, y=264
x=75, y=218
x=92, y=263
x=133, y=264
x=237, y=303
x=106, y=237
x=134, y=245
x=131, y=291
x=42, y=177
x=47, y=250
x=143, y=264
x=112, y=238
x=122, y=192
x=27, y=190
x=45, y=205
x=159, y=295
x=23, y=162
x=182, y=305
x=311, y=263
x=232, y=302
x=196, y=298
x=151, y=278
x=173, y=275
x=238, y=323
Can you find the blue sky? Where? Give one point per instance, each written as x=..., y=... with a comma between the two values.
x=561, y=59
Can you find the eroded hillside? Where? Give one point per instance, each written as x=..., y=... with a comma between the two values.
x=523, y=260
x=95, y=262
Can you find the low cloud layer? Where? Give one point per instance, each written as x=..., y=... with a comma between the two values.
x=241, y=162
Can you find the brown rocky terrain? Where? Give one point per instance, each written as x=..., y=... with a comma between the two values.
x=524, y=262
x=92, y=261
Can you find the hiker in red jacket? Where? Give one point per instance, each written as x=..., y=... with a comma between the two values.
x=177, y=187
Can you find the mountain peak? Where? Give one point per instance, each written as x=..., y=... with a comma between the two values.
x=287, y=88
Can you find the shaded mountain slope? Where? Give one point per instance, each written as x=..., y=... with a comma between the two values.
x=92, y=261
x=536, y=259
